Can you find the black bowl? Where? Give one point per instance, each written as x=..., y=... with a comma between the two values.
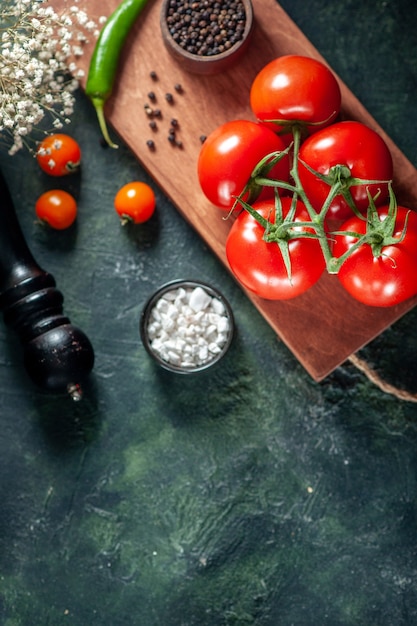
x=192, y=357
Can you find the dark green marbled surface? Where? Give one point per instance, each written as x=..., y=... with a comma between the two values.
x=249, y=495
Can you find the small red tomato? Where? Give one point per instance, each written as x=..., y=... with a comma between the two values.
x=58, y=155
x=294, y=88
x=259, y=265
x=356, y=146
x=57, y=208
x=229, y=155
x=135, y=202
x=383, y=280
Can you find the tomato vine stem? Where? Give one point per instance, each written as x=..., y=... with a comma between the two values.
x=379, y=232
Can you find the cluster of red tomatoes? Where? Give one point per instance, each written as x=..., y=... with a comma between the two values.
x=59, y=155
x=315, y=192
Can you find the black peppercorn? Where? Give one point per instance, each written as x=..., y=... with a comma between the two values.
x=206, y=28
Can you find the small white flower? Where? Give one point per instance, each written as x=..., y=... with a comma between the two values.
x=38, y=66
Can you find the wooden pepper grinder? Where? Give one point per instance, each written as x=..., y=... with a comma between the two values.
x=57, y=355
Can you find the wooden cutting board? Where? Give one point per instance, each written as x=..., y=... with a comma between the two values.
x=322, y=327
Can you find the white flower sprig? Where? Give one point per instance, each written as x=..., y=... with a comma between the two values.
x=38, y=69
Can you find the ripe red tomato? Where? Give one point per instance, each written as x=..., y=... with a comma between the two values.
x=259, y=265
x=295, y=88
x=385, y=280
x=58, y=155
x=57, y=208
x=229, y=155
x=358, y=147
x=135, y=202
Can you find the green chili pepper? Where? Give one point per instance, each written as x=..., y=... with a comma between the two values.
x=105, y=58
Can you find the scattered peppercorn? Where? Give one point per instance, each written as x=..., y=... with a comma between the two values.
x=206, y=28
x=154, y=113
x=203, y=138
x=153, y=75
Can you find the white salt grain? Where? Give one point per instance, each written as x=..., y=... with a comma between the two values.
x=223, y=326
x=199, y=299
x=188, y=327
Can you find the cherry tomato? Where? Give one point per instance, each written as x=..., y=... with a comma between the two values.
x=358, y=147
x=229, y=155
x=385, y=280
x=59, y=155
x=135, y=202
x=259, y=265
x=57, y=208
x=295, y=88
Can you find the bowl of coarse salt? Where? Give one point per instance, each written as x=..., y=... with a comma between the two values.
x=187, y=326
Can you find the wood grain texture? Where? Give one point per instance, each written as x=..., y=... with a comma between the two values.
x=325, y=325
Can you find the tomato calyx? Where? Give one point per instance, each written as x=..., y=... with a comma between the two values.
x=259, y=179
x=378, y=235
x=125, y=219
x=305, y=127
x=340, y=180
x=282, y=229
x=72, y=166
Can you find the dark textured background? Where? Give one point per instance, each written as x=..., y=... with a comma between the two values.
x=248, y=495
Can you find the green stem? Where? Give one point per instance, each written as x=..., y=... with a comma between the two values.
x=378, y=232
x=98, y=104
x=317, y=218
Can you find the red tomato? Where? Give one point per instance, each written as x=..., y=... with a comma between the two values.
x=229, y=155
x=57, y=208
x=358, y=147
x=259, y=265
x=385, y=280
x=135, y=202
x=296, y=88
x=59, y=155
